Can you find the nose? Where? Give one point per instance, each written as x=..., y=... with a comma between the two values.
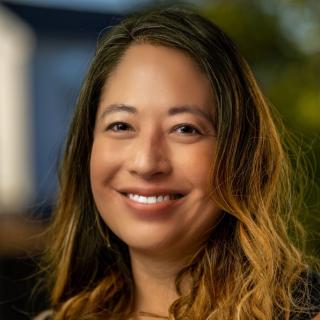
x=149, y=157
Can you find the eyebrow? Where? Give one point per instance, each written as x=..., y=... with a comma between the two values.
x=190, y=109
x=118, y=108
x=171, y=112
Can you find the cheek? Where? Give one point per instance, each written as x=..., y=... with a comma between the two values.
x=102, y=165
x=195, y=164
x=97, y=163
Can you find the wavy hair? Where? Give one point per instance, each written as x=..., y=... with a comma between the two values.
x=249, y=268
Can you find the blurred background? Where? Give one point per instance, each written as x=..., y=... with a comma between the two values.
x=45, y=50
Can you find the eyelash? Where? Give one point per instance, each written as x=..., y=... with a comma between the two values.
x=111, y=126
x=195, y=131
x=189, y=126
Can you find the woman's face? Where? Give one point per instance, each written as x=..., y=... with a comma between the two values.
x=153, y=146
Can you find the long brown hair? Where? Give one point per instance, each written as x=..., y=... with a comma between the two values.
x=249, y=268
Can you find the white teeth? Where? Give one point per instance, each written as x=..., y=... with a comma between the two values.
x=143, y=199
x=165, y=198
x=152, y=199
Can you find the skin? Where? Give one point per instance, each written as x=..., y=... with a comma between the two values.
x=154, y=135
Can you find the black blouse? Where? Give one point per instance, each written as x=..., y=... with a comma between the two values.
x=313, y=299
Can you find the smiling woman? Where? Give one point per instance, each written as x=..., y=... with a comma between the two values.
x=176, y=192
x=148, y=195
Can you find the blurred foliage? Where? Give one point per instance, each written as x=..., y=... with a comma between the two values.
x=281, y=41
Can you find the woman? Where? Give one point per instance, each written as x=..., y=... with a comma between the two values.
x=176, y=192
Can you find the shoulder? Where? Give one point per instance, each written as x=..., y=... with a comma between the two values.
x=313, y=281
x=45, y=315
x=307, y=296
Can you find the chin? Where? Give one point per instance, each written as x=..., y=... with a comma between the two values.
x=151, y=242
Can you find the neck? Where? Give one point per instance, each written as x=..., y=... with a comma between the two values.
x=154, y=282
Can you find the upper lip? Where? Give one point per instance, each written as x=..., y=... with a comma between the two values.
x=152, y=191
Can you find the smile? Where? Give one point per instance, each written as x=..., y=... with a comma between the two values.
x=152, y=199
x=151, y=203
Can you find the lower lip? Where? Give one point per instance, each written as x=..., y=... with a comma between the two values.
x=151, y=210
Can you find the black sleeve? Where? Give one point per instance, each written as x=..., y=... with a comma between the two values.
x=315, y=292
x=312, y=298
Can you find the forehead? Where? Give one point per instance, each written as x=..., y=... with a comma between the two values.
x=150, y=74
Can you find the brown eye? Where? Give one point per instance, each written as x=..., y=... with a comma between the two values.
x=187, y=129
x=118, y=126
